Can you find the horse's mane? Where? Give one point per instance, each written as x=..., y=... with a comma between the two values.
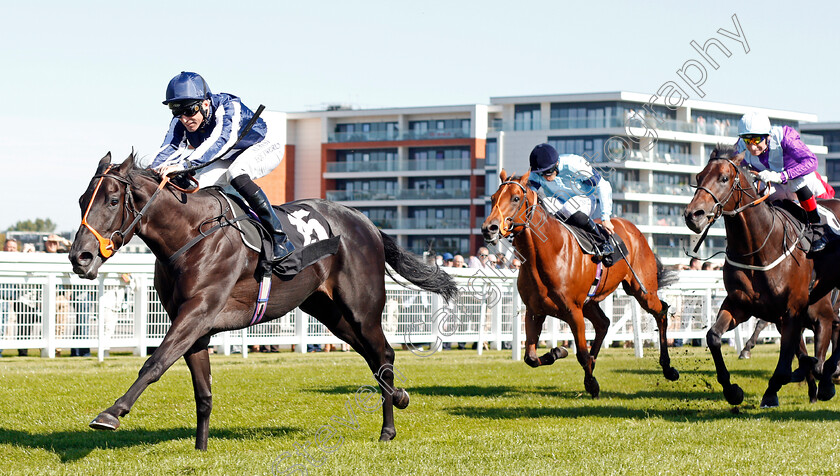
x=723, y=151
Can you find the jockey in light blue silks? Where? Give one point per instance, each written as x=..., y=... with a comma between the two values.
x=207, y=125
x=573, y=192
x=781, y=158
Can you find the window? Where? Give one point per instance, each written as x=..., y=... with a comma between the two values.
x=527, y=117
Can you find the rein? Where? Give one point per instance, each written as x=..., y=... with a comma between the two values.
x=107, y=247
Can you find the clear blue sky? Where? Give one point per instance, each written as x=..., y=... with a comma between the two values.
x=83, y=78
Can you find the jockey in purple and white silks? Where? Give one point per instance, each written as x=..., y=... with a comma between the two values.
x=781, y=158
x=206, y=127
x=574, y=192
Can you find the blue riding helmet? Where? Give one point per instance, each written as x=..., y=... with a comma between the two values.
x=543, y=158
x=187, y=86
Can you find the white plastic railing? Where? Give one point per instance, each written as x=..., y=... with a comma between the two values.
x=43, y=305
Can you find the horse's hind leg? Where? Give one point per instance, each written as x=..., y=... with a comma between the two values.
x=791, y=333
x=358, y=322
x=651, y=303
x=585, y=359
x=198, y=361
x=533, y=329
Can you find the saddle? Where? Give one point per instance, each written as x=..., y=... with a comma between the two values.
x=587, y=242
x=828, y=221
x=308, y=230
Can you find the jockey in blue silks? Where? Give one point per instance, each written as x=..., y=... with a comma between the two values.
x=573, y=192
x=206, y=127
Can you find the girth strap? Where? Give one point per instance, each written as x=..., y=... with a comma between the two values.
x=204, y=234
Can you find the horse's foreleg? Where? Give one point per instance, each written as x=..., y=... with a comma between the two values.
x=184, y=332
x=726, y=319
x=791, y=333
x=600, y=322
x=198, y=361
x=760, y=324
x=533, y=328
x=590, y=383
x=824, y=318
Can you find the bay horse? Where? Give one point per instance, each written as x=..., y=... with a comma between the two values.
x=212, y=288
x=766, y=274
x=556, y=275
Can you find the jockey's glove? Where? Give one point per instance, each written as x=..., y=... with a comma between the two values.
x=770, y=176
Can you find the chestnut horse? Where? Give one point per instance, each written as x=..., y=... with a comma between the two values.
x=212, y=288
x=766, y=275
x=556, y=276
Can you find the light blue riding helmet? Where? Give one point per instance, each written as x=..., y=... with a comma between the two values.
x=186, y=86
x=754, y=123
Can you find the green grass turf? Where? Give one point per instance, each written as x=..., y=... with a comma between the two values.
x=468, y=415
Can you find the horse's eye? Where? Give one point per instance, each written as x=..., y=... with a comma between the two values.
x=515, y=198
x=114, y=201
x=724, y=178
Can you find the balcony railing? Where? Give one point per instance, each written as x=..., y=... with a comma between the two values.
x=400, y=166
x=424, y=223
x=378, y=136
x=403, y=194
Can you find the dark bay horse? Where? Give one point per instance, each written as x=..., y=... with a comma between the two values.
x=556, y=276
x=212, y=287
x=766, y=275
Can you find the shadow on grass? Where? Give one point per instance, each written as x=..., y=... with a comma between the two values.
x=682, y=415
x=74, y=445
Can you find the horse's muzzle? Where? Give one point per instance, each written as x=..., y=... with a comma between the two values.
x=696, y=220
x=490, y=232
x=85, y=264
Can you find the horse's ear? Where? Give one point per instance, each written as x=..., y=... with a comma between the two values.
x=503, y=175
x=738, y=158
x=524, y=178
x=105, y=160
x=128, y=163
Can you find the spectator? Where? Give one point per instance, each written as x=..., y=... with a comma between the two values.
x=515, y=264
x=447, y=260
x=694, y=265
x=458, y=262
x=11, y=245
x=56, y=244
x=708, y=266
x=28, y=248
x=483, y=260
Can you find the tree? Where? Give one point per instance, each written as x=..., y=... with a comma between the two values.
x=39, y=224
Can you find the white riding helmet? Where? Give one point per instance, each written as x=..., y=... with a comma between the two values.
x=754, y=123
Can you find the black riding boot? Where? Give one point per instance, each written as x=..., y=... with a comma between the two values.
x=256, y=198
x=603, y=247
x=817, y=232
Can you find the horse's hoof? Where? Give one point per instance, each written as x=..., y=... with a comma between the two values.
x=745, y=354
x=734, y=395
x=591, y=386
x=671, y=374
x=105, y=421
x=388, y=434
x=559, y=352
x=826, y=391
x=401, y=398
x=770, y=401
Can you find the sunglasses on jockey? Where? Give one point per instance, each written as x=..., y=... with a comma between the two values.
x=552, y=170
x=188, y=109
x=752, y=139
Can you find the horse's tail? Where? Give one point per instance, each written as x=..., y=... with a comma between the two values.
x=427, y=277
x=665, y=277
